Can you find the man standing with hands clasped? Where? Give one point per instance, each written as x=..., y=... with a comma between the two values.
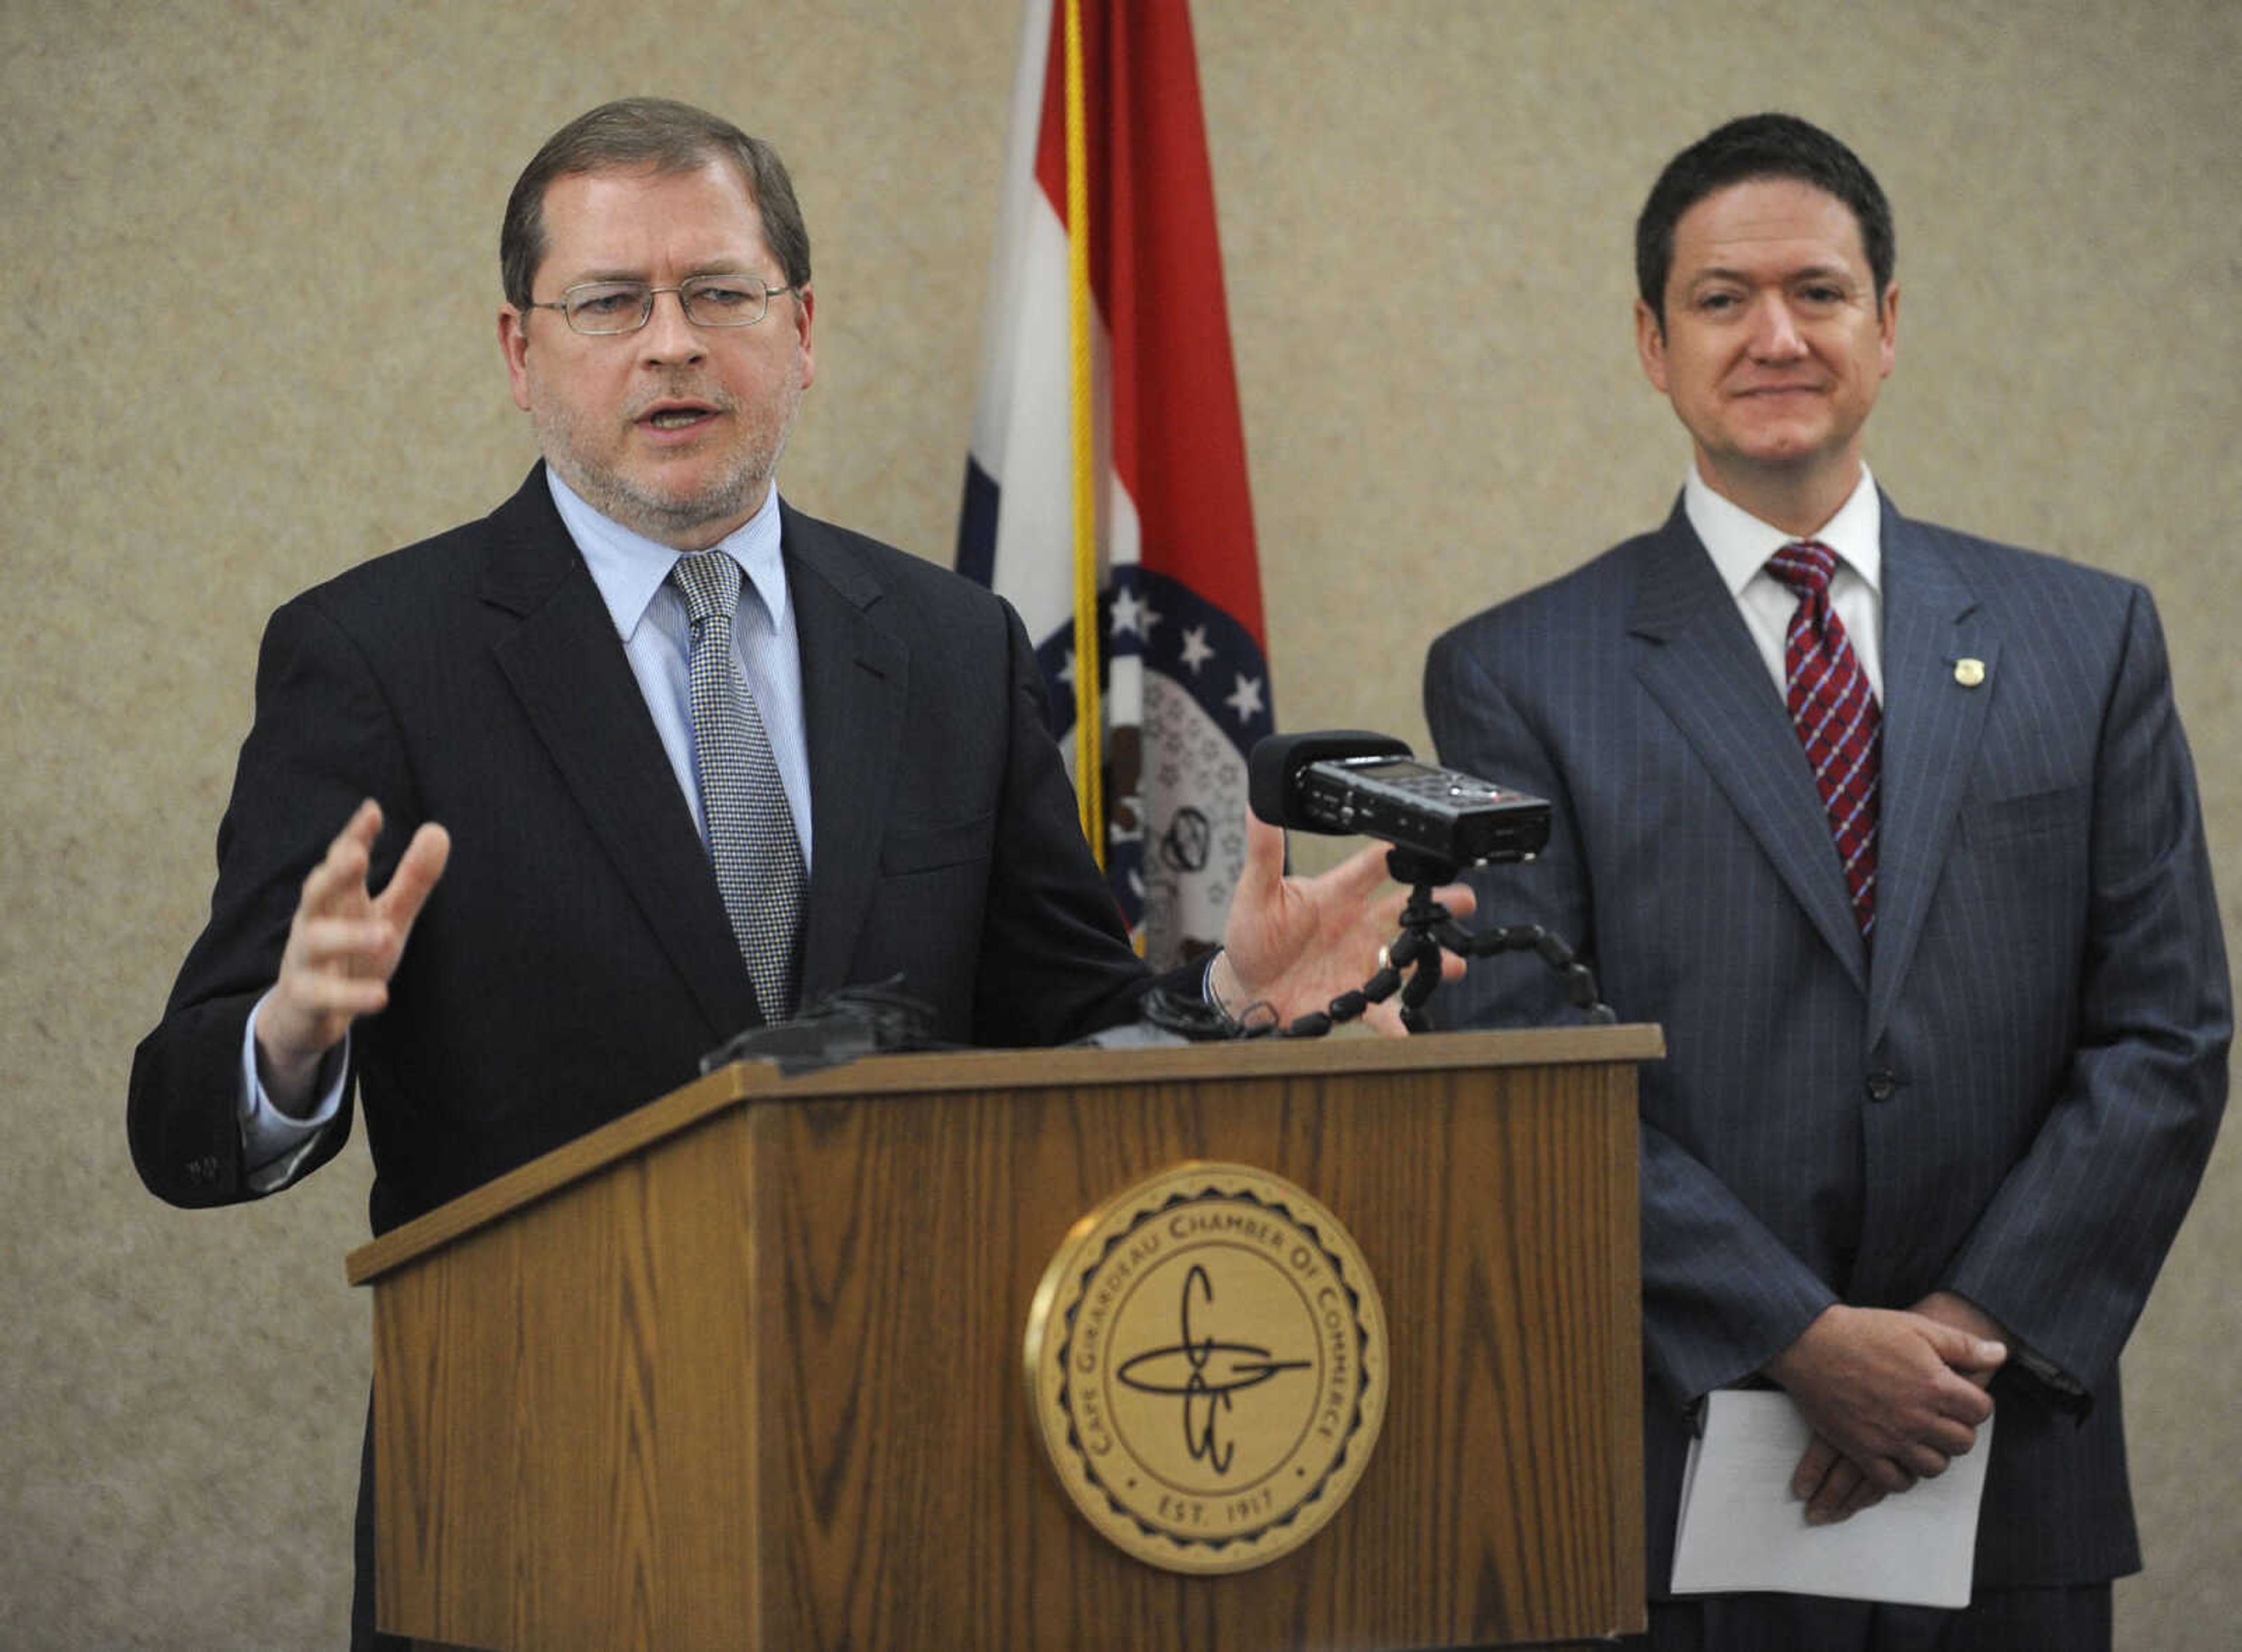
x=535, y=813
x=1895, y=830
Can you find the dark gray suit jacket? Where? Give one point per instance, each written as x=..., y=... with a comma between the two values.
x=575, y=960
x=2013, y=1097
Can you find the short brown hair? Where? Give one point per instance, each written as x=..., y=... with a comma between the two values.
x=659, y=135
x=1747, y=150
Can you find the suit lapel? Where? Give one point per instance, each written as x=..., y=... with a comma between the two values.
x=1699, y=662
x=1931, y=725
x=567, y=668
x=854, y=678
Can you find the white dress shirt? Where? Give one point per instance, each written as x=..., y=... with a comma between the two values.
x=1740, y=544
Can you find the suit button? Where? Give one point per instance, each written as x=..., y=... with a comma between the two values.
x=1882, y=1086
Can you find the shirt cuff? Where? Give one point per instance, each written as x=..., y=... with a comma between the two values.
x=1214, y=1002
x=274, y=1145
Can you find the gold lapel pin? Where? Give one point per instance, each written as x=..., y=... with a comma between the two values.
x=1969, y=673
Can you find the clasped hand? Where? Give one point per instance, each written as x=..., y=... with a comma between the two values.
x=1892, y=1396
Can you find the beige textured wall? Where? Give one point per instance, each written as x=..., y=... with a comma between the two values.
x=258, y=243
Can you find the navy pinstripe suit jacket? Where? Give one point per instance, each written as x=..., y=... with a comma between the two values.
x=2012, y=1095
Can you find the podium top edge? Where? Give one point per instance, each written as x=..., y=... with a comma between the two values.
x=762, y=1083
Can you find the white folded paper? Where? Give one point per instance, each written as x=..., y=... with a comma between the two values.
x=1742, y=1530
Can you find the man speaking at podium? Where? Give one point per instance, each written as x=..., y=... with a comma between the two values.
x=1895, y=830
x=535, y=813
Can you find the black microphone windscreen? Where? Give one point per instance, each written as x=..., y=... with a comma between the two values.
x=1276, y=762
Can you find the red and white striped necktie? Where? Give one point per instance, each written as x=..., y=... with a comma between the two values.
x=1835, y=711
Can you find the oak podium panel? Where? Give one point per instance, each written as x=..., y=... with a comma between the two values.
x=745, y=1369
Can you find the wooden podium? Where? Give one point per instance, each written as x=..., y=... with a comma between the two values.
x=743, y=1369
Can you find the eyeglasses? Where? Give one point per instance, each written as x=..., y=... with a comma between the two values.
x=600, y=309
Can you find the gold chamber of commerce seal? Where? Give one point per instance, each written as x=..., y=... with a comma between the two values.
x=1206, y=1365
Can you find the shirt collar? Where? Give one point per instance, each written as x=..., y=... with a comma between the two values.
x=1740, y=543
x=631, y=569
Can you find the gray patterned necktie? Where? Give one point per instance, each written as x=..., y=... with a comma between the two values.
x=751, y=840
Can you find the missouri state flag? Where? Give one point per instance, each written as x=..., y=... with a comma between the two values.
x=1106, y=490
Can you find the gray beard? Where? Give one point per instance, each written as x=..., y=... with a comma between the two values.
x=668, y=521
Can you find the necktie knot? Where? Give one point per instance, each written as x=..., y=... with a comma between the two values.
x=711, y=581
x=1805, y=566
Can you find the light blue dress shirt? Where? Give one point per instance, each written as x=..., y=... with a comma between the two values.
x=650, y=616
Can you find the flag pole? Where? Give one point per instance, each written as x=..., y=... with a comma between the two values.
x=1089, y=719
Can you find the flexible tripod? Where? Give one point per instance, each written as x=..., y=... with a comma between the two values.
x=1427, y=927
